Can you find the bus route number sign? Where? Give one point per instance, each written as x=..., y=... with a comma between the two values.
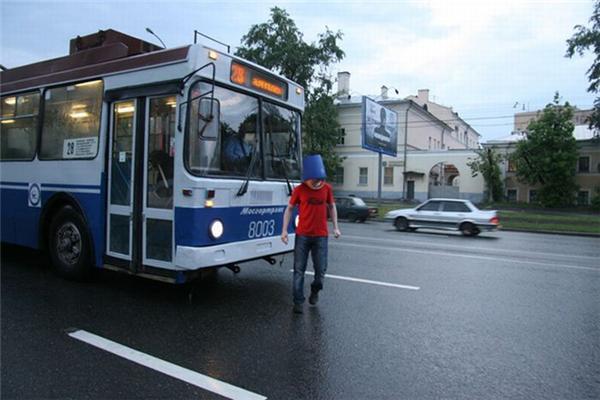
x=80, y=147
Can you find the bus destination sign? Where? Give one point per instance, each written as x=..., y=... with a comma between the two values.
x=248, y=77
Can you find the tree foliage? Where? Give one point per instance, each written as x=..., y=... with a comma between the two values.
x=548, y=155
x=487, y=164
x=279, y=45
x=588, y=39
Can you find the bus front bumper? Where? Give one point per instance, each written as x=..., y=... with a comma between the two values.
x=192, y=258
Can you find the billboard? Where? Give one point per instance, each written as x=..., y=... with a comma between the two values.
x=379, y=128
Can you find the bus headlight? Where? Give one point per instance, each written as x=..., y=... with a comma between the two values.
x=296, y=221
x=216, y=229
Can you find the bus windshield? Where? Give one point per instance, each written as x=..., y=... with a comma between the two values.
x=223, y=137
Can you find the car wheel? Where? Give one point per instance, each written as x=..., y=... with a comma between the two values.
x=362, y=220
x=70, y=245
x=352, y=217
x=468, y=229
x=401, y=224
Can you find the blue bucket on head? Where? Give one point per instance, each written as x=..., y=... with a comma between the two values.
x=313, y=167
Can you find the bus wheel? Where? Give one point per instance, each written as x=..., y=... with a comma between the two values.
x=69, y=245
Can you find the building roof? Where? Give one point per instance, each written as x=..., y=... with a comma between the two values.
x=581, y=132
x=450, y=110
x=356, y=101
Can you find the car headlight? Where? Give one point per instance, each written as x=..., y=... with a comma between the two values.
x=296, y=221
x=216, y=229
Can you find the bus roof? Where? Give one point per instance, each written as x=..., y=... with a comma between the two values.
x=90, y=56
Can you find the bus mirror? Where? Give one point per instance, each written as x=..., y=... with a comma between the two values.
x=208, y=118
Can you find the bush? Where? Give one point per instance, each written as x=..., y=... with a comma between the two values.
x=596, y=199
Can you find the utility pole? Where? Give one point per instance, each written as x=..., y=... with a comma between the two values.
x=405, y=144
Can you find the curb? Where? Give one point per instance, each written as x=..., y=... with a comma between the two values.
x=502, y=229
x=582, y=234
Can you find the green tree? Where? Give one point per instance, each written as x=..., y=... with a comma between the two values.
x=585, y=39
x=548, y=155
x=487, y=164
x=279, y=45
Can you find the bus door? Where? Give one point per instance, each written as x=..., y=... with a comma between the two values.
x=140, y=197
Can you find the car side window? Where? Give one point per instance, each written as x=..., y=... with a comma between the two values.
x=341, y=202
x=431, y=206
x=455, y=206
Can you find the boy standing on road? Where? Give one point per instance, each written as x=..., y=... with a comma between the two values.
x=314, y=198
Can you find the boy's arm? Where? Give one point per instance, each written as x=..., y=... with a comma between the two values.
x=287, y=215
x=334, y=219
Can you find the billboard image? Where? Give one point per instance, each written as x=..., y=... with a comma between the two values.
x=379, y=128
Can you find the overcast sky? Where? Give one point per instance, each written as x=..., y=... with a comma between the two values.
x=479, y=57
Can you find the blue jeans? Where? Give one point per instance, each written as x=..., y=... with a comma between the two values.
x=317, y=246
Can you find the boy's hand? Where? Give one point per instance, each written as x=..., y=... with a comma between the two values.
x=337, y=233
x=284, y=237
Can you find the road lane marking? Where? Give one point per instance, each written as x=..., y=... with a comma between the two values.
x=167, y=368
x=348, y=278
x=448, y=246
x=440, y=253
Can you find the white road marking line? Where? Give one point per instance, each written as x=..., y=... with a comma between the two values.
x=348, y=278
x=167, y=368
x=440, y=253
x=447, y=246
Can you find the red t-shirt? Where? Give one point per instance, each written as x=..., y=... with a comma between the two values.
x=313, y=209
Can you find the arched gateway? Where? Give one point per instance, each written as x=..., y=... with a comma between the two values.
x=444, y=180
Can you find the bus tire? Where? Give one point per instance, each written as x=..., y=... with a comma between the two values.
x=69, y=245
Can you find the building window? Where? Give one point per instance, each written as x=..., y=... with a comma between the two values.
x=19, y=119
x=342, y=136
x=363, y=176
x=429, y=146
x=583, y=198
x=512, y=165
x=388, y=176
x=511, y=195
x=71, y=121
x=338, y=177
x=533, y=196
x=583, y=164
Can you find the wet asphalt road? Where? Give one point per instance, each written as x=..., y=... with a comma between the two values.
x=502, y=315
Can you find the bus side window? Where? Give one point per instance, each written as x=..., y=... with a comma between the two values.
x=71, y=121
x=19, y=119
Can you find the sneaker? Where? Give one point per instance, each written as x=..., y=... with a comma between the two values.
x=298, y=309
x=313, y=298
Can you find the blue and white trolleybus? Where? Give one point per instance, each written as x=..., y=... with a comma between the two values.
x=157, y=162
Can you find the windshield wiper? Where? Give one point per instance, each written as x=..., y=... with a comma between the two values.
x=244, y=188
x=285, y=175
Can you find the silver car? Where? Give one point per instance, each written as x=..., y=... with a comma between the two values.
x=448, y=214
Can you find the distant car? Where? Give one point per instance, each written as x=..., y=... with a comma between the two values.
x=448, y=214
x=354, y=208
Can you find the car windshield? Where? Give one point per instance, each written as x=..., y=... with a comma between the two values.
x=359, y=202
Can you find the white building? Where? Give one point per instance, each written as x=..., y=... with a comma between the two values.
x=423, y=167
x=462, y=135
